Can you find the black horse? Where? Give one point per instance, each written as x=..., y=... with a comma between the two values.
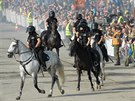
x=84, y=62
x=50, y=39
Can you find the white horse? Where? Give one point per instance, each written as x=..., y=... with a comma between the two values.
x=29, y=65
x=102, y=61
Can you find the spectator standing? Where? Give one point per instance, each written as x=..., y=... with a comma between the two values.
x=116, y=43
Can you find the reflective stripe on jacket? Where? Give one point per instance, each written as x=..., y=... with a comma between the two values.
x=120, y=19
x=29, y=18
x=68, y=32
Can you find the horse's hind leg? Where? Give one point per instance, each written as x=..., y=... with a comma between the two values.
x=36, y=84
x=90, y=78
x=54, y=78
x=59, y=87
x=22, y=85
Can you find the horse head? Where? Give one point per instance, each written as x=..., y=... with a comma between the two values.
x=73, y=47
x=13, y=49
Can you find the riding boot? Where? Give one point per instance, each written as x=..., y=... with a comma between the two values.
x=60, y=45
x=104, y=51
x=44, y=66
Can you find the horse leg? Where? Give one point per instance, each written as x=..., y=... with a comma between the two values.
x=54, y=78
x=96, y=74
x=59, y=87
x=36, y=85
x=103, y=65
x=90, y=78
x=102, y=73
x=57, y=50
x=79, y=79
x=23, y=76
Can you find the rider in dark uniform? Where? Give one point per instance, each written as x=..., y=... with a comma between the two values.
x=49, y=21
x=34, y=43
x=84, y=35
x=83, y=32
x=99, y=39
x=78, y=18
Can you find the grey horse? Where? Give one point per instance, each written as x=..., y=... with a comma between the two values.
x=102, y=60
x=29, y=65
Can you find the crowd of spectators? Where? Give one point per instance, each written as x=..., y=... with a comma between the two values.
x=65, y=9
x=93, y=10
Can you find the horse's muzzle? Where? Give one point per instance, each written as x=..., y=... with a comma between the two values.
x=10, y=55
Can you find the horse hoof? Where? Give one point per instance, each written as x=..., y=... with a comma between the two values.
x=78, y=89
x=93, y=89
x=18, y=98
x=50, y=95
x=62, y=91
x=42, y=92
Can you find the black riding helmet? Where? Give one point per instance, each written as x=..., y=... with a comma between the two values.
x=30, y=29
x=79, y=16
x=52, y=14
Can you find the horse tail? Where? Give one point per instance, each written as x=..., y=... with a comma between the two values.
x=61, y=73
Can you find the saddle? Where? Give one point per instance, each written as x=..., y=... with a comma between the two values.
x=45, y=57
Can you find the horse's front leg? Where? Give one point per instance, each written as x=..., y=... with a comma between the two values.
x=96, y=74
x=79, y=79
x=90, y=78
x=34, y=76
x=23, y=76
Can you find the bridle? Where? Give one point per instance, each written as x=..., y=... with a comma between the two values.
x=24, y=62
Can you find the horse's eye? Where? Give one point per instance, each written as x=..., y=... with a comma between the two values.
x=14, y=45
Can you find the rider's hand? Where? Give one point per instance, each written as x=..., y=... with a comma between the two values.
x=98, y=43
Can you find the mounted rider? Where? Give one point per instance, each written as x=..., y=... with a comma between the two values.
x=99, y=39
x=84, y=37
x=83, y=33
x=49, y=21
x=78, y=18
x=34, y=43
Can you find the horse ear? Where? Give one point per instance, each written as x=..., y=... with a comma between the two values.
x=15, y=40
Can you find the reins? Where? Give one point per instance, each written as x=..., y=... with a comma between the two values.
x=27, y=61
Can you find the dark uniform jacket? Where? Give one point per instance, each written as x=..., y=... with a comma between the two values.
x=32, y=39
x=84, y=33
x=49, y=21
x=97, y=33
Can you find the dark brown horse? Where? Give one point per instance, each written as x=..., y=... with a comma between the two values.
x=50, y=39
x=84, y=62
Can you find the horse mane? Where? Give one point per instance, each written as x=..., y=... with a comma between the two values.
x=22, y=44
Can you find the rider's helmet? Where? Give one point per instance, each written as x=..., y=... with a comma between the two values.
x=30, y=29
x=79, y=16
x=52, y=14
